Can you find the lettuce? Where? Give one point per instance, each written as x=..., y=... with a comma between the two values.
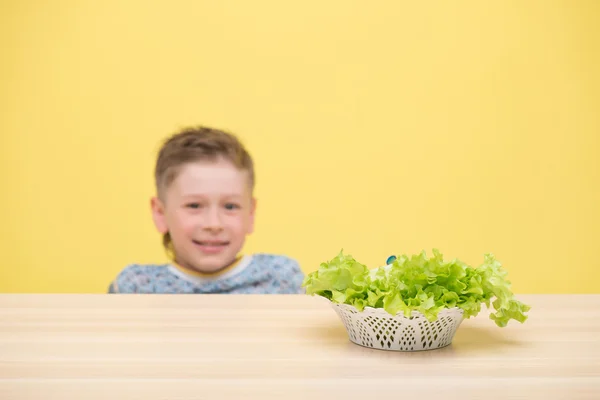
x=418, y=283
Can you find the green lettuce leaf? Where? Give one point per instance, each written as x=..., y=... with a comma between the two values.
x=418, y=283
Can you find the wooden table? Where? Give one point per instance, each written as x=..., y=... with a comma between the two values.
x=285, y=347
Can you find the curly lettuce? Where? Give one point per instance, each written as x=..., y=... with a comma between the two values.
x=418, y=283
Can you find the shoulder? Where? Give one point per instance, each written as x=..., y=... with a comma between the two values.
x=277, y=262
x=138, y=278
x=285, y=271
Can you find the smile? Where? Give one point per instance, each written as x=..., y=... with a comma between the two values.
x=211, y=246
x=211, y=242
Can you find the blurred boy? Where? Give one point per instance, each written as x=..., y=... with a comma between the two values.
x=204, y=208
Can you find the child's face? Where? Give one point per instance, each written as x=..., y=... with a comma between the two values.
x=208, y=210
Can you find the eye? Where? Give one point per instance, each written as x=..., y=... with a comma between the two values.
x=193, y=205
x=231, y=206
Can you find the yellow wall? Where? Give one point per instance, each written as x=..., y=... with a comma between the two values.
x=379, y=128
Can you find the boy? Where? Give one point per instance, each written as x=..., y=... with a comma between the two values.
x=204, y=208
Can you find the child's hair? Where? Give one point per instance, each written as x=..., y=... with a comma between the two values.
x=193, y=144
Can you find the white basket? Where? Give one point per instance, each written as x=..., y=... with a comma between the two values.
x=376, y=328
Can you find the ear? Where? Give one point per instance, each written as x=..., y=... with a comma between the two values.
x=158, y=215
x=252, y=213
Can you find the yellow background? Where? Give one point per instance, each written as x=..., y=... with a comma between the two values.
x=380, y=128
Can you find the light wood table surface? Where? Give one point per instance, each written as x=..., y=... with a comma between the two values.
x=281, y=347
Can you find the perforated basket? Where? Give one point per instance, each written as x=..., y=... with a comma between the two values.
x=376, y=328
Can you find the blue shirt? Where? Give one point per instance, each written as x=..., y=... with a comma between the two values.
x=253, y=274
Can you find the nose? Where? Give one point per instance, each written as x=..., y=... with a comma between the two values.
x=213, y=219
